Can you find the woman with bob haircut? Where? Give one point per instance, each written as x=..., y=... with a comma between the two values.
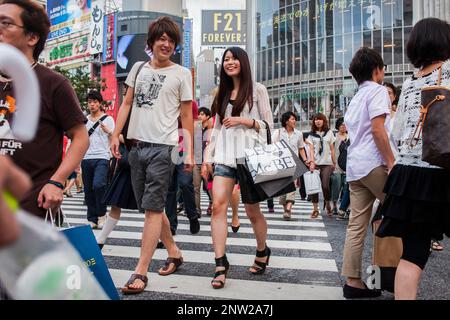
x=416, y=207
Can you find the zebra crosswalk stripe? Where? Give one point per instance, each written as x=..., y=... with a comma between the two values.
x=299, y=247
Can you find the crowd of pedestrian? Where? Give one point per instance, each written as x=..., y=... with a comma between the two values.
x=162, y=149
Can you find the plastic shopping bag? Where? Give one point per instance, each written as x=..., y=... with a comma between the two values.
x=43, y=265
x=313, y=184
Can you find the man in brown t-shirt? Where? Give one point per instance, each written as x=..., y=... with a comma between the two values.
x=25, y=25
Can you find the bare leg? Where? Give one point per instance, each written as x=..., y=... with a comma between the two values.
x=259, y=225
x=235, y=206
x=150, y=235
x=222, y=192
x=407, y=279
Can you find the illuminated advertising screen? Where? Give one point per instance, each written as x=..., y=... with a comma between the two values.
x=68, y=16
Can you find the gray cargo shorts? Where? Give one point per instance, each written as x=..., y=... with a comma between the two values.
x=151, y=173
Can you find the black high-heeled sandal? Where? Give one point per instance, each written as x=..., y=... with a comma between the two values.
x=220, y=262
x=259, y=266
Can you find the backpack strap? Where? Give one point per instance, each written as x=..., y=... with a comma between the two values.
x=92, y=130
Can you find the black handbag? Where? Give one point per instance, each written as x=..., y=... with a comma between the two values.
x=252, y=193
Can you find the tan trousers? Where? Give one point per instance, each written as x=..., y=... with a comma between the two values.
x=363, y=193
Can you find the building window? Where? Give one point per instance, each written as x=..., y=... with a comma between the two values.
x=407, y=12
x=398, y=52
x=312, y=19
x=357, y=25
x=290, y=61
x=297, y=23
x=297, y=59
x=312, y=56
x=321, y=55
x=305, y=56
x=387, y=46
x=329, y=19
x=330, y=54
x=387, y=13
x=338, y=53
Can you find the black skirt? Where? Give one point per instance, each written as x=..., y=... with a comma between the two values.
x=120, y=192
x=417, y=203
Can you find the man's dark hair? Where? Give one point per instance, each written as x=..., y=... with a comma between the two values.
x=286, y=116
x=206, y=111
x=35, y=20
x=95, y=95
x=363, y=64
x=429, y=42
x=160, y=26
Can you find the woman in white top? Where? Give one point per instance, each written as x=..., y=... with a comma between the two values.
x=240, y=106
x=294, y=138
x=323, y=159
x=416, y=207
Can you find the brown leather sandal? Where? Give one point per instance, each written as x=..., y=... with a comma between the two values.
x=315, y=214
x=171, y=265
x=127, y=290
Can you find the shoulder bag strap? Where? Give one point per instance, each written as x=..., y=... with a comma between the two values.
x=91, y=131
x=269, y=136
x=125, y=129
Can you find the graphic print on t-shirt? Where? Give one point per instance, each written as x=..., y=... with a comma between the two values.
x=8, y=145
x=148, y=89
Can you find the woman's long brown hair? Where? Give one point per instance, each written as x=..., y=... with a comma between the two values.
x=226, y=86
x=325, y=126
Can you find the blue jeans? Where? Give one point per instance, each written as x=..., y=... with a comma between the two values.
x=95, y=174
x=345, y=202
x=184, y=181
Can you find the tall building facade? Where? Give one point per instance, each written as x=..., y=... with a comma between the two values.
x=303, y=49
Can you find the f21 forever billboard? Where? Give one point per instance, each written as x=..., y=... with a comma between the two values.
x=68, y=16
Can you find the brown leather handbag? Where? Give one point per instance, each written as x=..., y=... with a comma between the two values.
x=434, y=125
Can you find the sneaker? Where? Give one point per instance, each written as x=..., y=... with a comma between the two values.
x=194, y=226
x=93, y=225
x=335, y=211
x=356, y=293
x=271, y=210
x=101, y=221
x=180, y=208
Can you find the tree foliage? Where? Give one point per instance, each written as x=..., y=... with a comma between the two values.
x=82, y=83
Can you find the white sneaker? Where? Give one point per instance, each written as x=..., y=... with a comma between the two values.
x=93, y=225
x=101, y=221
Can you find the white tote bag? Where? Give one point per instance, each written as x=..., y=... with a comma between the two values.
x=313, y=184
x=270, y=162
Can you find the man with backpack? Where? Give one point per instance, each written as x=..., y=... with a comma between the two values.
x=95, y=164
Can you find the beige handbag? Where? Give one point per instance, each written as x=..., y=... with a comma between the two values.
x=386, y=255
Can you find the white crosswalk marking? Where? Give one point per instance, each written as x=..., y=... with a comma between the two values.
x=301, y=265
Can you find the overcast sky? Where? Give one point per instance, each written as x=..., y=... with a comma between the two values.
x=195, y=8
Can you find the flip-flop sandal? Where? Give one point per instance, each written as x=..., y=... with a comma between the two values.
x=436, y=246
x=171, y=265
x=127, y=290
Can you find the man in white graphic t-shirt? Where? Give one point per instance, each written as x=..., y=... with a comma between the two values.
x=159, y=92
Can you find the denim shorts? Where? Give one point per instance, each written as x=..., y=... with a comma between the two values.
x=221, y=170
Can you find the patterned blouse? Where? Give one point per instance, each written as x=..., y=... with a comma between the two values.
x=408, y=114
